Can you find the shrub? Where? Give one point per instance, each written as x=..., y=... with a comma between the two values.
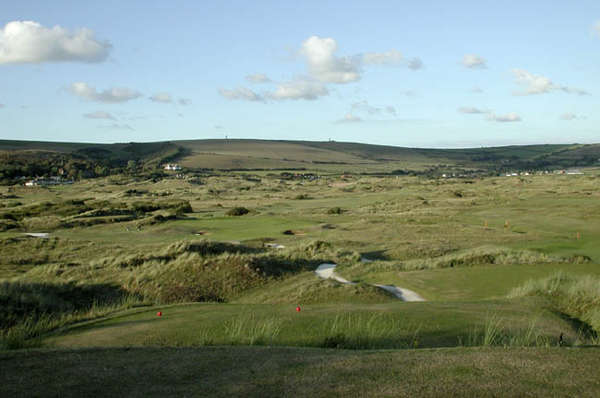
x=335, y=210
x=237, y=211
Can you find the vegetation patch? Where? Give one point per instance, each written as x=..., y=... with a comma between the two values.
x=578, y=297
x=237, y=211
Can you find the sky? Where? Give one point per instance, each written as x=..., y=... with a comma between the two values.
x=417, y=74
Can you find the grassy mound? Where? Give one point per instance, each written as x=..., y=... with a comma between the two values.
x=306, y=288
x=484, y=255
x=575, y=296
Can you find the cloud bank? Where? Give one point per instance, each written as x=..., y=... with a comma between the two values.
x=538, y=84
x=258, y=78
x=241, y=93
x=109, y=96
x=23, y=42
x=164, y=98
x=298, y=89
x=473, y=61
x=99, y=115
x=349, y=118
x=491, y=116
x=323, y=67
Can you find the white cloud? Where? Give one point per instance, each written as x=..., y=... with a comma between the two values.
x=571, y=90
x=164, y=98
x=392, y=57
x=29, y=42
x=571, y=116
x=349, y=118
x=415, y=64
x=184, y=101
x=509, y=117
x=471, y=110
x=473, y=61
x=110, y=96
x=258, y=78
x=491, y=116
x=597, y=28
x=476, y=90
x=241, y=93
x=116, y=126
x=365, y=107
x=537, y=84
x=299, y=89
x=99, y=115
x=323, y=65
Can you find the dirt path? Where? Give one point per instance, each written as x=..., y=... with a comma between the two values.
x=326, y=271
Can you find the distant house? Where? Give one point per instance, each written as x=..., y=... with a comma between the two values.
x=172, y=166
x=37, y=182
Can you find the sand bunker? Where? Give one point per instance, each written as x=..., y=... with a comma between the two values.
x=326, y=271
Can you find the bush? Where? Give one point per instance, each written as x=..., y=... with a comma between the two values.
x=237, y=211
x=335, y=210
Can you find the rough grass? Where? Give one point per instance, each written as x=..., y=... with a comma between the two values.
x=485, y=255
x=353, y=325
x=276, y=372
x=576, y=296
x=28, y=330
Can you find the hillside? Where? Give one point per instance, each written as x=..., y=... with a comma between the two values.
x=35, y=158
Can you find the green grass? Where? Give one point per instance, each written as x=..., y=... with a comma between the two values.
x=577, y=296
x=351, y=325
x=466, y=283
x=282, y=371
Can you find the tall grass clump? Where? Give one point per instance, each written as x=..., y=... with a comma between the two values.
x=368, y=331
x=28, y=331
x=494, y=332
x=484, y=255
x=250, y=330
x=577, y=296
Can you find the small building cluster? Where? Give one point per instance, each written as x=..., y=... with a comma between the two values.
x=172, y=166
x=43, y=182
x=527, y=173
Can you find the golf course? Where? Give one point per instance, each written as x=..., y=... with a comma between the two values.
x=271, y=268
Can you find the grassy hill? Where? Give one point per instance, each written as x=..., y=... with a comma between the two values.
x=336, y=157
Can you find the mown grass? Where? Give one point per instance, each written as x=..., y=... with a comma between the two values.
x=393, y=325
x=481, y=282
x=283, y=371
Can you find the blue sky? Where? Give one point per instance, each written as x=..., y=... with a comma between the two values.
x=428, y=74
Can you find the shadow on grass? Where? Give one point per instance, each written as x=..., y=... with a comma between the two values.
x=24, y=300
x=582, y=328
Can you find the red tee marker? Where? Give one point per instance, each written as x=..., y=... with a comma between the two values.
x=159, y=313
x=298, y=309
